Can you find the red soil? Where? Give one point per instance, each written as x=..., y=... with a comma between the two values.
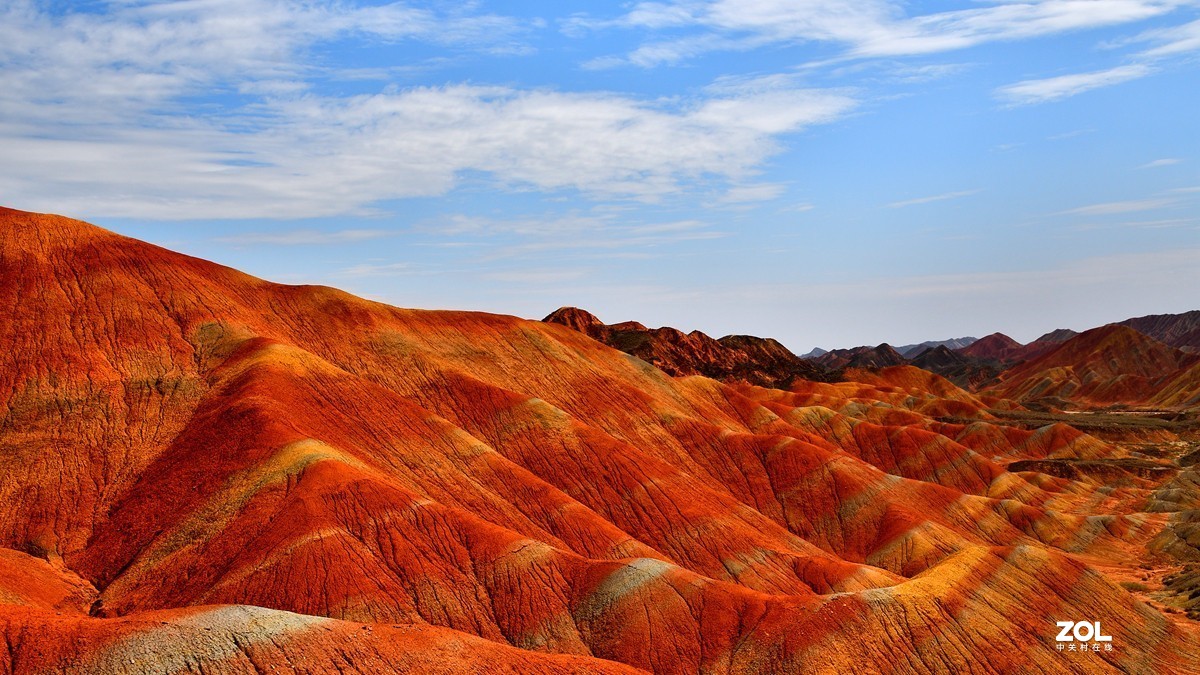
x=205, y=472
x=1109, y=365
x=994, y=347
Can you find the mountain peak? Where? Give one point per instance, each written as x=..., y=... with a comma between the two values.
x=579, y=319
x=994, y=347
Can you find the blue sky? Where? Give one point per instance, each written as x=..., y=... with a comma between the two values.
x=827, y=173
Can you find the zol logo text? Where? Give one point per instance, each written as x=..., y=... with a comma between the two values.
x=1082, y=636
x=1082, y=631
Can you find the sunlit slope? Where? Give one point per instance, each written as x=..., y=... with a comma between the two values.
x=1112, y=364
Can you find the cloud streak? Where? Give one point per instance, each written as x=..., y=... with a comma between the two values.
x=934, y=198
x=1029, y=92
x=1130, y=206
x=304, y=237
x=865, y=28
x=1166, y=161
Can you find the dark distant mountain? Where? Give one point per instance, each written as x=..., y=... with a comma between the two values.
x=1042, y=345
x=912, y=351
x=816, y=352
x=761, y=361
x=881, y=356
x=1181, y=331
x=961, y=370
x=939, y=357
x=1055, y=337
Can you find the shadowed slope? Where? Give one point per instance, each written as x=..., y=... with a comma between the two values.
x=1181, y=331
x=733, y=358
x=880, y=356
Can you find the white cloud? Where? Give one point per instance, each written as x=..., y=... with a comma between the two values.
x=934, y=198
x=137, y=53
x=94, y=109
x=316, y=156
x=1029, y=92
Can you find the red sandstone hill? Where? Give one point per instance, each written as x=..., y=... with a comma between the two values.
x=995, y=347
x=205, y=472
x=1112, y=364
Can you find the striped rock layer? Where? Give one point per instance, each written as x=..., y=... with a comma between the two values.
x=201, y=471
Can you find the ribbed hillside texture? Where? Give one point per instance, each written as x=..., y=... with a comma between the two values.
x=1113, y=364
x=1177, y=330
x=204, y=472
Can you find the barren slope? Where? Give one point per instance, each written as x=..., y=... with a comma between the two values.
x=1112, y=364
x=217, y=474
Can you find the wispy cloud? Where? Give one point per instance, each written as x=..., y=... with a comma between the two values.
x=1168, y=42
x=1172, y=41
x=1067, y=135
x=1130, y=206
x=1166, y=161
x=304, y=237
x=1030, y=92
x=867, y=28
x=599, y=234
x=761, y=192
x=934, y=198
x=1161, y=224
x=376, y=270
x=536, y=276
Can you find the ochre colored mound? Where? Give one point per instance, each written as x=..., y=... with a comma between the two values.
x=204, y=472
x=1112, y=364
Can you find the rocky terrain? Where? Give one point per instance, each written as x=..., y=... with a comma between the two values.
x=205, y=472
x=744, y=358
